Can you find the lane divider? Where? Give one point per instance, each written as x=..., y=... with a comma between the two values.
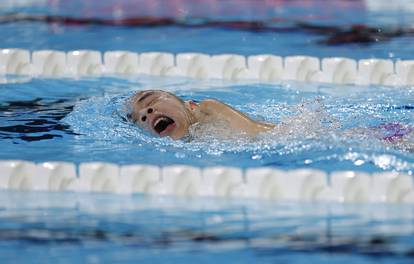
x=232, y=67
x=188, y=181
x=305, y=185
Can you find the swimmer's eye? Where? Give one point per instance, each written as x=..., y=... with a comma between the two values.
x=143, y=118
x=149, y=111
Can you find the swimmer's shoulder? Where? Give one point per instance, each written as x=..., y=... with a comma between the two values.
x=211, y=105
x=211, y=108
x=236, y=119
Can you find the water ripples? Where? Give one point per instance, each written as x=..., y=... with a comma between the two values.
x=313, y=130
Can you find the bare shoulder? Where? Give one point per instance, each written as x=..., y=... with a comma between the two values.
x=210, y=102
x=211, y=105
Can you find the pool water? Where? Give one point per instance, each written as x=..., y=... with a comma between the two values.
x=85, y=120
x=332, y=127
x=62, y=228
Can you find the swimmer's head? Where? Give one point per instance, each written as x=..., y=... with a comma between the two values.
x=162, y=113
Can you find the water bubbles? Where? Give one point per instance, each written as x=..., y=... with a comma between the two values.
x=384, y=161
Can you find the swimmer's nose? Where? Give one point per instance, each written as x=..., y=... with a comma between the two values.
x=145, y=113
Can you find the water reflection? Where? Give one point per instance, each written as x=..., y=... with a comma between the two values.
x=141, y=223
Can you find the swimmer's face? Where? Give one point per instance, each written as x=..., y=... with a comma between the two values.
x=161, y=113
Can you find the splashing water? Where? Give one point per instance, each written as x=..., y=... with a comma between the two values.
x=312, y=130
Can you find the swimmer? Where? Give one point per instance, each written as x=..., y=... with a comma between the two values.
x=164, y=114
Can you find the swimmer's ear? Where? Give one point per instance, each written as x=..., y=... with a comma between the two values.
x=191, y=105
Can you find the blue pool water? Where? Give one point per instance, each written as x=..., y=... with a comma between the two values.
x=61, y=228
x=82, y=120
x=85, y=120
x=290, y=37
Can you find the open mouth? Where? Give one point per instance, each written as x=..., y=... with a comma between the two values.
x=163, y=125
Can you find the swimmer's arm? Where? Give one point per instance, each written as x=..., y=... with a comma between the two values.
x=215, y=110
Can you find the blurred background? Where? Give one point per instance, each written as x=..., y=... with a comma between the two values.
x=349, y=28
